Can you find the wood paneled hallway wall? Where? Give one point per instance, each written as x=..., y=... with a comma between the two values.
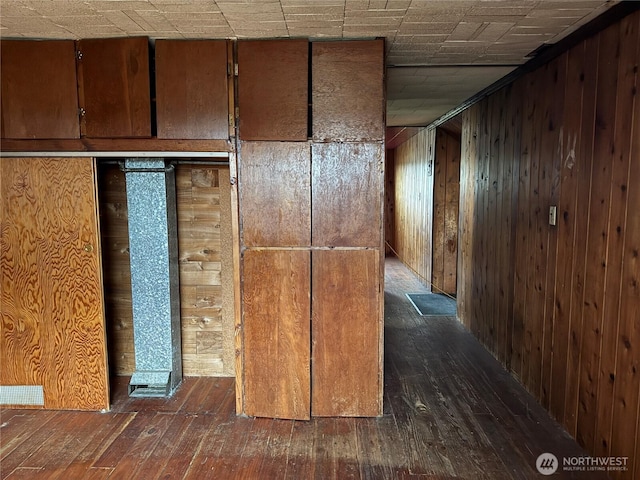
x=559, y=305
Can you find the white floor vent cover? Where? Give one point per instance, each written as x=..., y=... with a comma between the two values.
x=21, y=395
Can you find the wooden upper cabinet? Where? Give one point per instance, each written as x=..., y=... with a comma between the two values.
x=348, y=90
x=273, y=89
x=39, y=97
x=113, y=81
x=192, y=99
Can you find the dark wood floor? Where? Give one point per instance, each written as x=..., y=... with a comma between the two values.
x=451, y=411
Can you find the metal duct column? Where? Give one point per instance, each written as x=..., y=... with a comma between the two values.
x=153, y=246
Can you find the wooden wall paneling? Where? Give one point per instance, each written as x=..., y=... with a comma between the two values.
x=191, y=89
x=522, y=260
x=500, y=232
x=275, y=193
x=584, y=164
x=452, y=201
x=389, y=194
x=346, y=331
x=114, y=88
x=599, y=207
x=413, y=202
x=513, y=150
x=276, y=299
x=551, y=151
x=465, y=222
x=53, y=331
x=117, y=269
x=620, y=163
x=273, y=92
x=439, y=207
x=346, y=185
x=626, y=398
x=567, y=213
x=199, y=253
x=39, y=89
x=348, y=90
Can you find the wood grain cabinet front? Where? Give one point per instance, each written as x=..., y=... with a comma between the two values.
x=114, y=87
x=192, y=99
x=39, y=98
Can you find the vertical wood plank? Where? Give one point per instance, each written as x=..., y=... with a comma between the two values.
x=52, y=332
x=275, y=193
x=39, y=89
x=439, y=205
x=451, y=201
x=191, y=89
x=113, y=76
x=567, y=213
x=626, y=398
x=348, y=90
x=597, y=239
x=345, y=333
x=346, y=185
x=277, y=333
x=620, y=163
x=273, y=89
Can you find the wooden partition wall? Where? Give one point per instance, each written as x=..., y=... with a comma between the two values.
x=311, y=229
x=560, y=305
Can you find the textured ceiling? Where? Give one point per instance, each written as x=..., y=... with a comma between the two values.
x=440, y=52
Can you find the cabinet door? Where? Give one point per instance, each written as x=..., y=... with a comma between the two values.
x=39, y=89
x=276, y=333
x=348, y=90
x=113, y=79
x=346, y=333
x=52, y=334
x=192, y=99
x=273, y=91
x=347, y=185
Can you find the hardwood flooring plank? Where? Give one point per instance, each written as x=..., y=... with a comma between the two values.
x=18, y=425
x=275, y=463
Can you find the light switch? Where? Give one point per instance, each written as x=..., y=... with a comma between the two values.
x=552, y=215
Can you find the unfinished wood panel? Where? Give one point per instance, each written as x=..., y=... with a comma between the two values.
x=275, y=195
x=346, y=185
x=568, y=328
x=206, y=312
x=199, y=257
x=52, y=331
x=113, y=82
x=276, y=301
x=191, y=89
x=346, y=331
x=413, y=202
x=39, y=89
x=273, y=91
x=445, y=211
x=348, y=90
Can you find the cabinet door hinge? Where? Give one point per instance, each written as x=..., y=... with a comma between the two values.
x=235, y=69
x=78, y=55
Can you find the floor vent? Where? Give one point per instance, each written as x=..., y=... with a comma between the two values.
x=21, y=395
x=150, y=384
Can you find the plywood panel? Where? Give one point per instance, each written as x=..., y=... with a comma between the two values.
x=347, y=184
x=191, y=89
x=113, y=81
x=52, y=331
x=276, y=315
x=346, y=332
x=275, y=193
x=39, y=89
x=273, y=89
x=348, y=90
